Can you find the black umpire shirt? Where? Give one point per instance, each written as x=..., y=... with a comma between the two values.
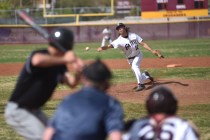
x=36, y=84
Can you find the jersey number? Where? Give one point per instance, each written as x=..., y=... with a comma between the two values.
x=127, y=46
x=136, y=47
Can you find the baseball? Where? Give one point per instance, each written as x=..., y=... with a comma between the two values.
x=87, y=48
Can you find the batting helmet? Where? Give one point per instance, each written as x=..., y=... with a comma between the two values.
x=62, y=39
x=161, y=100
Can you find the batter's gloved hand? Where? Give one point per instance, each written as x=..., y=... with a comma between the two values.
x=158, y=53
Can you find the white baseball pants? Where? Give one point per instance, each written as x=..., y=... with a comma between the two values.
x=135, y=66
x=24, y=122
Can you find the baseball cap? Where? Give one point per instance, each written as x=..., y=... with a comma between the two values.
x=120, y=25
x=97, y=72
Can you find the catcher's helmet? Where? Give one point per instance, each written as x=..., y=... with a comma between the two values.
x=62, y=39
x=161, y=100
x=120, y=25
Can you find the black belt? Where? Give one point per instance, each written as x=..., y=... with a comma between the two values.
x=27, y=108
x=131, y=57
x=23, y=107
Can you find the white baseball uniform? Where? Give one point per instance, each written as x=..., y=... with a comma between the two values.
x=172, y=128
x=130, y=48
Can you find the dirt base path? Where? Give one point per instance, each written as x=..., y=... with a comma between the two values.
x=14, y=68
x=188, y=91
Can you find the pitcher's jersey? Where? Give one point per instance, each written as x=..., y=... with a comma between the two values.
x=128, y=45
x=172, y=128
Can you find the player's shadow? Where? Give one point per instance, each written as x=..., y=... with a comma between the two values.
x=155, y=83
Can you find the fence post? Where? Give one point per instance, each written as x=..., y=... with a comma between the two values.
x=77, y=19
x=16, y=17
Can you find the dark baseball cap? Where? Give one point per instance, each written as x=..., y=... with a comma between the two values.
x=120, y=25
x=97, y=72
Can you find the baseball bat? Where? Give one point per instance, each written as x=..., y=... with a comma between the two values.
x=43, y=32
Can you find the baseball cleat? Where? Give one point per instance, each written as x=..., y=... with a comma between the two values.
x=150, y=77
x=140, y=87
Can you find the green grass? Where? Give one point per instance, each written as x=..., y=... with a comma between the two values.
x=181, y=73
x=17, y=53
x=183, y=48
x=170, y=48
x=199, y=114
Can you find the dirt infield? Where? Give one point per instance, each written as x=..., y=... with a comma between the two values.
x=188, y=91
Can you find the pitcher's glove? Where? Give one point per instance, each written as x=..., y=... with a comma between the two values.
x=158, y=53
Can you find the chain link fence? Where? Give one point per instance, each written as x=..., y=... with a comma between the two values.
x=90, y=29
x=10, y=17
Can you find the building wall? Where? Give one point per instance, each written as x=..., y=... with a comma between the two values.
x=171, y=8
x=151, y=5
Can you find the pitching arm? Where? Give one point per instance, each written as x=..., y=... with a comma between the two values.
x=105, y=48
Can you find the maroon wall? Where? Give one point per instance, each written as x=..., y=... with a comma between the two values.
x=151, y=5
x=94, y=33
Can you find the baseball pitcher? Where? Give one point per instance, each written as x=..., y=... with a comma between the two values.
x=129, y=42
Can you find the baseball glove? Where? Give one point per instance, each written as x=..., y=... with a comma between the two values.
x=158, y=53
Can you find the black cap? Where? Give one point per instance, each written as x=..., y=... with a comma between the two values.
x=97, y=72
x=120, y=25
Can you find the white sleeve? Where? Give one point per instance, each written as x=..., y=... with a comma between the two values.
x=139, y=39
x=190, y=134
x=115, y=44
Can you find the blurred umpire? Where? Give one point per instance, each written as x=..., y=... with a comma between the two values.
x=90, y=113
x=42, y=72
x=162, y=123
